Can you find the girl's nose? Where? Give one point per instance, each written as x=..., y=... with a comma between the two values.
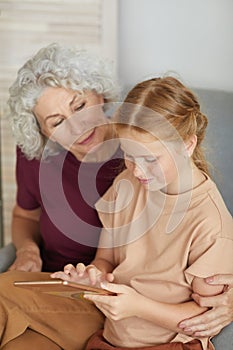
x=138, y=171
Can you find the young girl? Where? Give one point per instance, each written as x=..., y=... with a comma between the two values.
x=166, y=227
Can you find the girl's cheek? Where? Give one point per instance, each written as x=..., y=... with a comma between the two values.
x=156, y=170
x=129, y=165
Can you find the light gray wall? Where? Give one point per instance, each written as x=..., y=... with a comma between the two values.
x=190, y=37
x=193, y=38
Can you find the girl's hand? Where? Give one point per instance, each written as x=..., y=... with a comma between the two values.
x=118, y=307
x=220, y=315
x=81, y=273
x=27, y=259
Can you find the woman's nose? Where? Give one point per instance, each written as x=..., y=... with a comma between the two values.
x=74, y=125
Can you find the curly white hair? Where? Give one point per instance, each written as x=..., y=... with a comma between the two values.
x=54, y=66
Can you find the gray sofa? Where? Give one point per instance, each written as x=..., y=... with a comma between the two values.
x=7, y=256
x=218, y=106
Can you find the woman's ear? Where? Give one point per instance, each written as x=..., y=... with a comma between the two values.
x=190, y=144
x=102, y=100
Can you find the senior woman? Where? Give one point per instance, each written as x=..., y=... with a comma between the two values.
x=67, y=157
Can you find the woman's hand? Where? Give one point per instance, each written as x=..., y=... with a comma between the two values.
x=220, y=315
x=123, y=305
x=27, y=259
x=81, y=273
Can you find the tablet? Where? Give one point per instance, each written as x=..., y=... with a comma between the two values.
x=62, y=288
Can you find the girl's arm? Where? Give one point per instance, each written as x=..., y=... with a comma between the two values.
x=104, y=258
x=100, y=268
x=130, y=303
x=170, y=315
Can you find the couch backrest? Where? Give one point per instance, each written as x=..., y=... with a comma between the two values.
x=218, y=106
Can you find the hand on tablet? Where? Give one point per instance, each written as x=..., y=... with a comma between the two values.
x=126, y=302
x=85, y=274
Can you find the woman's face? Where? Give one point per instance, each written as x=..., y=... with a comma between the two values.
x=76, y=121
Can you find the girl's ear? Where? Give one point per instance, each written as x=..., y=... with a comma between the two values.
x=190, y=144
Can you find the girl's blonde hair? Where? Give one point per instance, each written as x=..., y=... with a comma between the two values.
x=165, y=99
x=54, y=66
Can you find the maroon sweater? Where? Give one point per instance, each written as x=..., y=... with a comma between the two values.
x=66, y=190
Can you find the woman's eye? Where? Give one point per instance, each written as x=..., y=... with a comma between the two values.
x=80, y=107
x=58, y=122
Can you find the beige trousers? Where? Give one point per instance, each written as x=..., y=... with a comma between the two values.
x=31, y=340
x=29, y=317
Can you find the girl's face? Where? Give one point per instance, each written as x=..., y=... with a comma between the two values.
x=156, y=165
x=75, y=121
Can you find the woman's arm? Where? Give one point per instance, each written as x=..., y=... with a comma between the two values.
x=220, y=312
x=26, y=238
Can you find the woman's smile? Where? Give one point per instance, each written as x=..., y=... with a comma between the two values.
x=87, y=139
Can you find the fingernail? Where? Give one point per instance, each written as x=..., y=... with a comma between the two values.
x=188, y=329
x=182, y=325
x=103, y=284
x=209, y=280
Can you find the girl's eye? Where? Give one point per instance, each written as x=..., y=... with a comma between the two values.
x=80, y=107
x=151, y=160
x=128, y=157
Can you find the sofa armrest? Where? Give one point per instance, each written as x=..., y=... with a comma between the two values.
x=7, y=256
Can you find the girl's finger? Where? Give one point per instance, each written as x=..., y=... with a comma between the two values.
x=71, y=272
x=60, y=274
x=113, y=287
x=69, y=269
x=100, y=299
x=110, y=277
x=80, y=269
x=92, y=273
